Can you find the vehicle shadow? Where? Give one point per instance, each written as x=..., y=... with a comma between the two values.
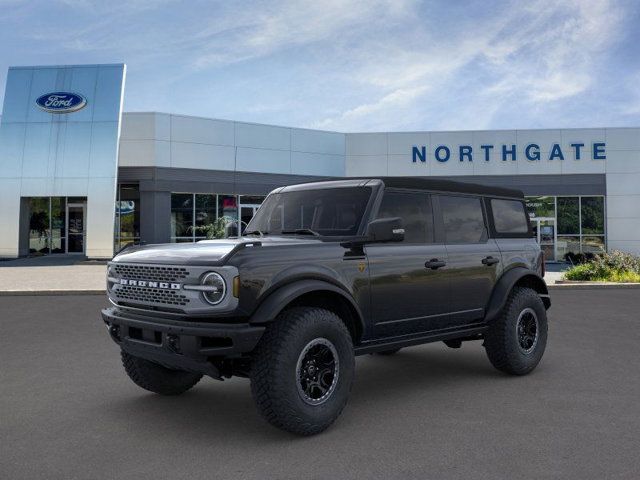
x=226, y=410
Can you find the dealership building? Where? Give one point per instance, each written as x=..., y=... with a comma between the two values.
x=80, y=176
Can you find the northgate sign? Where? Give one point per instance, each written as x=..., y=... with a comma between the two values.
x=531, y=152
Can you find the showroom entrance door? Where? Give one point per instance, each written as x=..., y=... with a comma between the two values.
x=76, y=230
x=545, y=231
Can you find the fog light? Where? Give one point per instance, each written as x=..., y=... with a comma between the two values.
x=216, y=288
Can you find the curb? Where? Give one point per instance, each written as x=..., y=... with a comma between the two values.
x=594, y=286
x=19, y=293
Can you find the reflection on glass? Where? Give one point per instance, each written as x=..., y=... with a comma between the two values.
x=568, y=216
x=228, y=206
x=205, y=209
x=541, y=206
x=568, y=244
x=76, y=228
x=58, y=243
x=181, y=214
x=39, y=224
x=591, y=244
x=592, y=211
x=127, y=218
x=58, y=222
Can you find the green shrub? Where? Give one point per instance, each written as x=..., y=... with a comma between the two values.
x=615, y=266
x=217, y=229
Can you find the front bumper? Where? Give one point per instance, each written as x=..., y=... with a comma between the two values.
x=180, y=344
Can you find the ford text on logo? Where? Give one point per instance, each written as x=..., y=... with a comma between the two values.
x=531, y=152
x=61, y=102
x=150, y=284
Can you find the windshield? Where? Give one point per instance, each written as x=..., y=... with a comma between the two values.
x=326, y=212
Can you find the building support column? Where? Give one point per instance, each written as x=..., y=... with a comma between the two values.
x=155, y=216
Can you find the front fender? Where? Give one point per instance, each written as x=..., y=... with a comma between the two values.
x=275, y=302
x=505, y=284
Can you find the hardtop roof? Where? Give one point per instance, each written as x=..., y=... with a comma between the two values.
x=413, y=183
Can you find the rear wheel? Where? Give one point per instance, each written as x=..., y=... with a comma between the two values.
x=302, y=370
x=156, y=378
x=515, y=342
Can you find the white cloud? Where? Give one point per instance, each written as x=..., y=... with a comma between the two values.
x=349, y=64
x=286, y=24
x=541, y=53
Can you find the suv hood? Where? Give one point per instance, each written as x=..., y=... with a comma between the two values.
x=205, y=252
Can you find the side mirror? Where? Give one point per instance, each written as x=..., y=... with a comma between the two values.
x=385, y=230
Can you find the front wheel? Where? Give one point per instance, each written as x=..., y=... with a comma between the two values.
x=515, y=342
x=302, y=370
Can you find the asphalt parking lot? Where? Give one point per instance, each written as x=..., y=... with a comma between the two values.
x=67, y=410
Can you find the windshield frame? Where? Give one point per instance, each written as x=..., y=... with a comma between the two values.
x=375, y=187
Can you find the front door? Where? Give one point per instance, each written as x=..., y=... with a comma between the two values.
x=76, y=220
x=408, y=281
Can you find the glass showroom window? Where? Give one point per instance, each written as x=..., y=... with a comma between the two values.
x=205, y=214
x=190, y=211
x=568, y=219
x=127, y=228
x=182, y=213
x=39, y=225
x=541, y=207
x=47, y=225
x=592, y=224
x=580, y=222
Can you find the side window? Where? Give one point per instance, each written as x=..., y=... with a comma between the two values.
x=509, y=216
x=415, y=211
x=463, y=219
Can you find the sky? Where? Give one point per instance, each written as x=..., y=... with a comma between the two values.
x=351, y=65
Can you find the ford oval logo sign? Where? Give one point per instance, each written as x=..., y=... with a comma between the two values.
x=61, y=102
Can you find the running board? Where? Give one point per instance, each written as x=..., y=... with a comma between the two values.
x=418, y=339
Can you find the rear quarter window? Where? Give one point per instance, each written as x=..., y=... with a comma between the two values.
x=463, y=219
x=509, y=216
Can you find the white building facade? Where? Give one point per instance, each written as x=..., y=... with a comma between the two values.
x=84, y=181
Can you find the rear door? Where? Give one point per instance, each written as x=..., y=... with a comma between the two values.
x=474, y=260
x=408, y=280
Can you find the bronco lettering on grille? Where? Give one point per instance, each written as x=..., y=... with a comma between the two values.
x=150, y=284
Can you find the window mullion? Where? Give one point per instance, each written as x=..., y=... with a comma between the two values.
x=193, y=219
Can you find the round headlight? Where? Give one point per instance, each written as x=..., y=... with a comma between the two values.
x=216, y=288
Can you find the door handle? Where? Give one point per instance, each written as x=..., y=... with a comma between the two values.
x=488, y=261
x=435, y=264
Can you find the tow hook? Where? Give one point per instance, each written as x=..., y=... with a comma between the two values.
x=114, y=331
x=173, y=343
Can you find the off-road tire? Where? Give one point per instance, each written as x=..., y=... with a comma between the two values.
x=501, y=340
x=391, y=351
x=274, y=375
x=156, y=378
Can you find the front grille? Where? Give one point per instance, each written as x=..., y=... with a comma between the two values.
x=149, y=272
x=150, y=295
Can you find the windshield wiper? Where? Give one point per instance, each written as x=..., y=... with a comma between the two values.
x=256, y=232
x=302, y=231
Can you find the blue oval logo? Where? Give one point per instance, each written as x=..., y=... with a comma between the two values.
x=61, y=102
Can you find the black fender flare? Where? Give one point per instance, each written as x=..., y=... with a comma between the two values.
x=505, y=284
x=275, y=302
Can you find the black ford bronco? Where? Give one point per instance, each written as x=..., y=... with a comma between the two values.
x=326, y=271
